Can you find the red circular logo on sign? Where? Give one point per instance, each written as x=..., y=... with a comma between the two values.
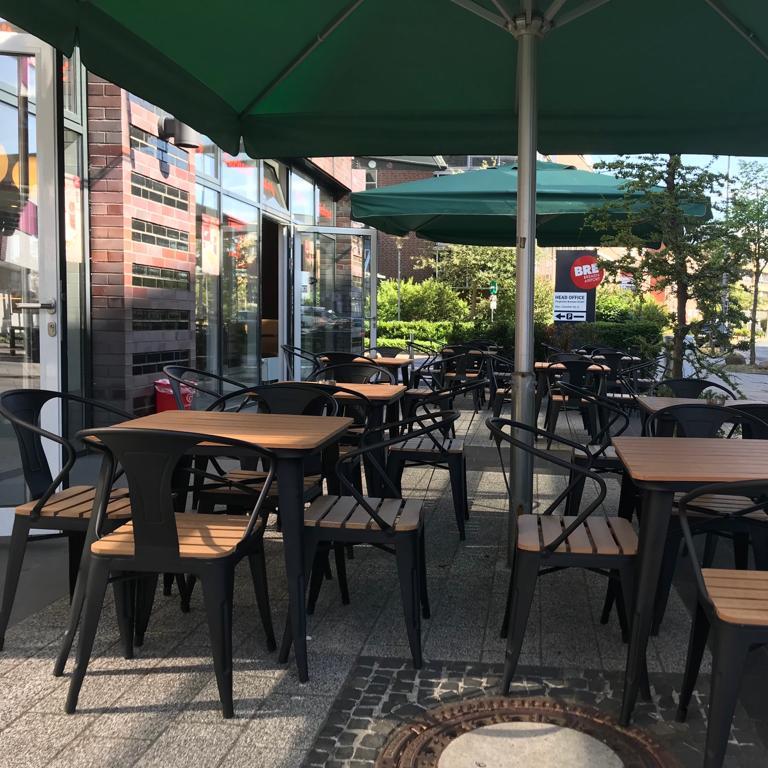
x=585, y=273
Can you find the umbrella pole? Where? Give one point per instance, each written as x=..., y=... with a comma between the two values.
x=521, y=463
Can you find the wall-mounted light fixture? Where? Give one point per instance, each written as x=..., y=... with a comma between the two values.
x=182, y=135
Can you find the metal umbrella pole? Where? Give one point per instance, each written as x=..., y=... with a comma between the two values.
x=527, y=31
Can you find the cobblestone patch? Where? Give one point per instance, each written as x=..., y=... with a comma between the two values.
x=382, y=694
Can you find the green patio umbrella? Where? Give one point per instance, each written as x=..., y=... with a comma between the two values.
x=478, y=207
x=393, y=77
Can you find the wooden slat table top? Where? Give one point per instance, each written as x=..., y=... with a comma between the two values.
x=543, y=365
x=272, y=431
x=651, y=404
x=398, y=361
x=387, y=393
x=692, y=459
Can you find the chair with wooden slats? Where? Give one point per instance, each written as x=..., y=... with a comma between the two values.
x=391, y=523
x=437, y=450
x=551, y=541
x=160, y=539
x=703, y=419
x=731, y=606
x=67, y=510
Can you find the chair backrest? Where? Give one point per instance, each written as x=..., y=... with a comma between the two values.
x=207, y=387
x=354, y=373
x=522, y=437
x=614, y=359
x=287, y=398
x=336, y=358
x=752, y=496
x=574, y=372
x=385, y=351
x=432, y=425
x=22, y=408
x=566, y=357
x=151, y=461
x=352, y=404
x=291, y=353
x=759, y=411
x=689, y=388
x=613, y=420
x=704, y=420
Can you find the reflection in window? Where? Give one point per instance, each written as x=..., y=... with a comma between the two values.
x=240, y=176
x=240, y=290
x=70, y=82
x=207, y=158
x=302, y=199
x=273, y=186
x=207, y=265
x=326, y=208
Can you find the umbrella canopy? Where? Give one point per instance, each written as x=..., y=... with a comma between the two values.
x=396, y=77
x=478, y=207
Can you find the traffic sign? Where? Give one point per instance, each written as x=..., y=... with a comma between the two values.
x=493, y=288
x=493, y=301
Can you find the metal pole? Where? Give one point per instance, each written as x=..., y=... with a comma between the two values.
x=521, y=486
x=399, y=251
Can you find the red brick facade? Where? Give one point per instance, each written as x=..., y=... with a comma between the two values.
x=116, y=346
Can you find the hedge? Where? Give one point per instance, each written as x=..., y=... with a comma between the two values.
x=423, y=331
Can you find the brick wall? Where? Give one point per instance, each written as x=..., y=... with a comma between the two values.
x=141, y=213
x=412, y=247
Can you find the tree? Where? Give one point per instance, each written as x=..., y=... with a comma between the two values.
x=659, y=191
x=748, y=220
x=428, y=300
x=470, y=268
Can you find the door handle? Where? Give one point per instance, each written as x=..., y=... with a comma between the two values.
x=49, y=305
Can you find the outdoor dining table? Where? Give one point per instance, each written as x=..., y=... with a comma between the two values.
x=398, y=365
x=659, y=467
x=291, y=439
x=543, y=369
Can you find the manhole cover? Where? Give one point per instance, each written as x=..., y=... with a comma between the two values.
x=498, y=732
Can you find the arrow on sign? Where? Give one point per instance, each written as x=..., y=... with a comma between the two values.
x=572, y=316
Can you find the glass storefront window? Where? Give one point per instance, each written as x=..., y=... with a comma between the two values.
x=302, y=199
x=240, y=176
x=326, y=208
x=240, y=290
x=207, y=267
x=274, y=184
x=207, y=158
x=70, y=84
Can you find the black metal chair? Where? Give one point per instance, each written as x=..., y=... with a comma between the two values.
x=354, y=373
x=704, y=421
x=436, y=450
x=389, y=522
x=158, y=539
x=732, y=606
x=291, y=353
x=689, y=388
x=52, y=509
x=207, y=387
x=550, y=541
x=576, y=372
x=337, y=358
x=384, y=351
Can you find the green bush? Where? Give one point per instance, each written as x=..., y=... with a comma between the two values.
x=430, y=300
x=422, y=330
x=614, y=304
x=641, y=334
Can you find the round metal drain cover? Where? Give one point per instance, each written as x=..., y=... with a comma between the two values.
x=498, y=732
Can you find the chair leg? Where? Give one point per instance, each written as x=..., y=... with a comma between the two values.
x=319, y=564
x=75, y=544
x=186, y=586
x=16, y=549
x=464, y=485
x=258, y=566
x=341, y=572
x=167, y=584
x=759, y=538
x=697, y=642
x=125, y=608
x=217, y=595
x=710, y=550
x=395, y=467
x=728, y=659
x=741, y=551
x=455, y=468
x=610, y=598
x=407, y=554
x=425, y=610
x=146, y=587
x=573, y=502
x=525, y=572
x=668, y=565
x=98, y=576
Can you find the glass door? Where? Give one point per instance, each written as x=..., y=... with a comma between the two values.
x=334, y=282
x=29, y=331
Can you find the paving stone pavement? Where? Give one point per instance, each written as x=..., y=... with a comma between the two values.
x=162, y=708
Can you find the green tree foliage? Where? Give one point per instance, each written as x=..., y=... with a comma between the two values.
x=614, y=304
x=748, y=222
x=428, y=300
x=682, y=263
